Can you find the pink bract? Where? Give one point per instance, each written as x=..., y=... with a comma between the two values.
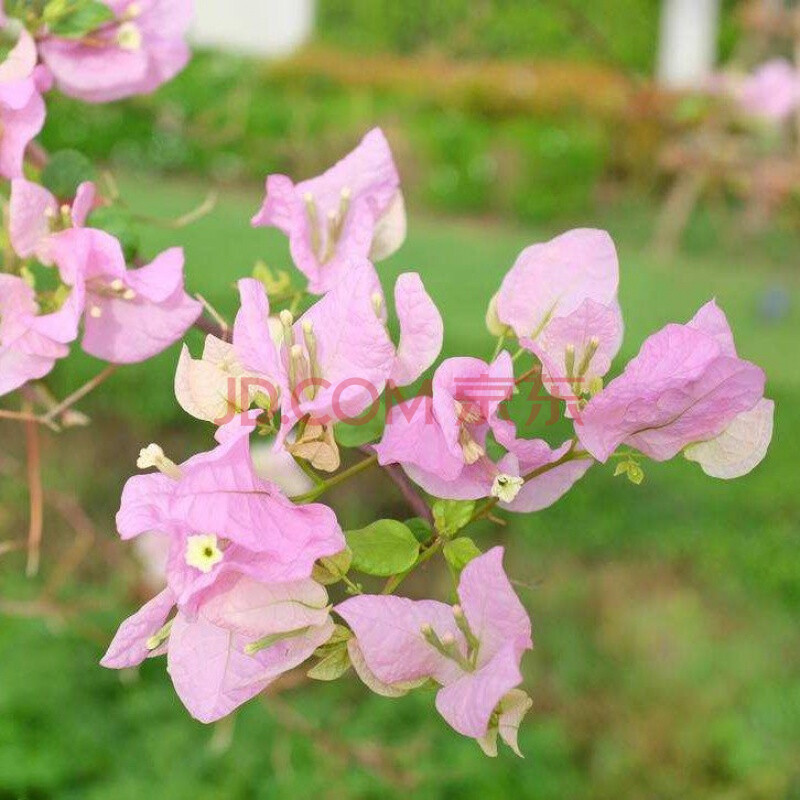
x=496, y=619
x=211, y=669
x=686, y=385
x=22, y=109
x=772, y=91
x=141, y=49
x=353, y=210
x=261, y=532
x=131, y=314
x=354, y=356
x=34, y=211
x=31, y=342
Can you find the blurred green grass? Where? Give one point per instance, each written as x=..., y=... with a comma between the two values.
x=667, y=658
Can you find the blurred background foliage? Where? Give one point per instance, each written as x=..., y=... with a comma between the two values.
x=484, y=101
x=667, y=658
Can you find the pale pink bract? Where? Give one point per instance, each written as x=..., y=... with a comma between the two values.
x=31, y=342
x=22, y=109
x=353, y=210
x=131, y=314
x=144, y=47
x=686, y=385
x=390, y=636
x=261, y=532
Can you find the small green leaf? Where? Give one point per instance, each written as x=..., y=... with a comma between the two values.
x=333, y=666
x=384, y=548
x=118, y=222
x=420, y=528
x=364, y=429
x=459, y=552
x=65, y=171
x=331, y=569
x=450, y=516
x=77, y=19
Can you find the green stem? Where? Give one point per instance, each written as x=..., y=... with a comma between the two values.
x=316, y=478
x=323, y=487
x=499, y=346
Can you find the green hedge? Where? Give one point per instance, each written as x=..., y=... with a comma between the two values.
x=620, y=32
x=231, y=120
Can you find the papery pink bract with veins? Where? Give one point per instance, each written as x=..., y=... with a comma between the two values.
x=33, y=211
x=496, y=618
x=268, y=537
x=144, y=47
x=432, y=437
x=131, y=314
x=355, y=356
x=555, y=278
x=371, y=217
x=206, y=657
x=686, y=385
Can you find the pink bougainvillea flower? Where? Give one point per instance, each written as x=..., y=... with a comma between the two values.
x=576, y=350
x=335, y=361
x=771, y=92
x=34, y=215
x=686, y=386
x=440, y=441
x=473, y=650
x=31, y=342
x=443, y=437
x=22, y=109
x=221, y=517
x=415, y=439
x=131, y=314
x=141, y=49
x=243, y=636
x=554, y=279
x=355, y=209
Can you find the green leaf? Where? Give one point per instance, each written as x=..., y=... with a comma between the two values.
x=74, y=20
x=364, y=429
x=65, y=171
x=450, y=516
x=384, y=548
x=459, y=552
x=119, y=223
x=333, y=666
x=331, y=569
x=420, y=528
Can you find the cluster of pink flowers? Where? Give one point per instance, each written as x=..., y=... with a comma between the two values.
x=127, y=315
x=247, y=566
x=136, y=46
x=241, y=555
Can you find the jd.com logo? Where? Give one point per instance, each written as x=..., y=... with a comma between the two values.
x=478, y=399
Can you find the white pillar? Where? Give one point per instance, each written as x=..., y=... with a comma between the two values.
x=688, y=46
x=272, y=28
